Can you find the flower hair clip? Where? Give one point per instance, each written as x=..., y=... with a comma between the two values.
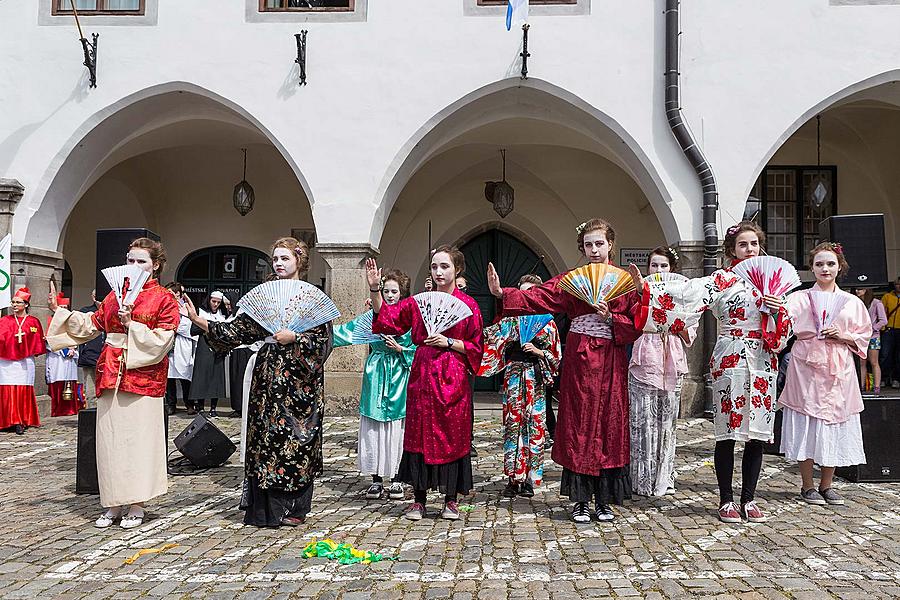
x=580, y=229
x=838, y=248
x=733, y=230
x=674, y=253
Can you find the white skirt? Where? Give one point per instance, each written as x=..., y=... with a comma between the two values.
x=380, y=446
x=835, y=445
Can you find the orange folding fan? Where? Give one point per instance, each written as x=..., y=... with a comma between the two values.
x=597, y=281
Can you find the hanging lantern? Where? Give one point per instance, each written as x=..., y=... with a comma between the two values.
x=243, y=197
x=819, y=192
x=500, y=193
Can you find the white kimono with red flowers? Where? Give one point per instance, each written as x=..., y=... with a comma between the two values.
x=744, y=362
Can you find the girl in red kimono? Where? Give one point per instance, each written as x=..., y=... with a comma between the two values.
x=592, y=429
x=131, y=381
x=20, y=341
x=438, y=435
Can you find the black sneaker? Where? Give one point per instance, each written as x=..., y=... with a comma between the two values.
x=473, y=452
x=374, y=491
x=511, y=490
x=526, y=490
x=581, y=513
x=20, y=429
x=604, y=513
x=213, y=412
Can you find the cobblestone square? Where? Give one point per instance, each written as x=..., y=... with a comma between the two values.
x=669, y=547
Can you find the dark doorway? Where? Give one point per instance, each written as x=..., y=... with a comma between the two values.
x=512, y=258
x=233, y=270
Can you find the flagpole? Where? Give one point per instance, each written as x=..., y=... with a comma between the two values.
x=77, y=21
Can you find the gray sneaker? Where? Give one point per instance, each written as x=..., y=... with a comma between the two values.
x=811, y=496
x=831, y=497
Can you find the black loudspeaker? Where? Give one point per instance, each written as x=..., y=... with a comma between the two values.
x=862, y=237
x=86, y=461
x=880, y=431
x=112, y=247
x=204, y=444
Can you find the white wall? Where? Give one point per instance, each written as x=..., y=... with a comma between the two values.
x=753, y=71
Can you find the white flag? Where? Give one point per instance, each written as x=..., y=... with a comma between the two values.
x=5, y=270
x=516, y=12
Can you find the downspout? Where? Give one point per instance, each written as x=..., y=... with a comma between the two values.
x=698, y=162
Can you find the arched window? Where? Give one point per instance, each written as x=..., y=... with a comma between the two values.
x=233, y=270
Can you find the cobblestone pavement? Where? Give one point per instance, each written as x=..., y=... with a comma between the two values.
x=668, y=547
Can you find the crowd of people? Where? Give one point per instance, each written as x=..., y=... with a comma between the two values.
x=615, y=370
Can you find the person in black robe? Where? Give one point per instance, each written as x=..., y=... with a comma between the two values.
x=208, y=379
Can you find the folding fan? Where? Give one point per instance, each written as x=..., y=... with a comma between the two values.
x=825, y=307
x=769, y=275
x=441, y=311
x=664, y=277
x=597, y=281
x=288, y=304
x=362, y=330
x=126, y=281
x=531, y=325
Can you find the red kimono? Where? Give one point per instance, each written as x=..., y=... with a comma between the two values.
x=18, y=405
x=439, y=393
x=592, y=427
x=156, y=308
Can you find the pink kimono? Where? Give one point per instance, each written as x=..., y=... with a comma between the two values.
x=439, y=393
x=821, y=378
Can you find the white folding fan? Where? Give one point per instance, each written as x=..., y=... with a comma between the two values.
x=441, y=311
x=126, y=281
x=288, y=304
x=769, y=275
x=825, y=307
x=664, y=276
x=362, y=330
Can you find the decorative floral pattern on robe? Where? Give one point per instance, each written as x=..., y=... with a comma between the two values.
x=523, y=395
x=744, y=363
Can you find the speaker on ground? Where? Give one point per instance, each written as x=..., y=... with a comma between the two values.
x=204, y=444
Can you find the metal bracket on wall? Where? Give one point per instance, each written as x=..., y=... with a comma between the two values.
x=525, y=54
x=301, y=55
x=90, y=57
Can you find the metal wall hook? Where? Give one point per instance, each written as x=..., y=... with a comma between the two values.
x=301, y=55
x=90, y=57
x=525, y=54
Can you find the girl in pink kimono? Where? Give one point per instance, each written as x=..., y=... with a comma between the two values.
x=821, y=400
x=658, y=361
x=438, y=436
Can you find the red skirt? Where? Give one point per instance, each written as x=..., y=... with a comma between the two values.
x=18, y=406
x=63, y=408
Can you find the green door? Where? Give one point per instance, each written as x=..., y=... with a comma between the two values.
x=512, y=258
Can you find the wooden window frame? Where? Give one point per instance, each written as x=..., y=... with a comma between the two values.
x=802, y=198
x=56, y=10
x=325, y=9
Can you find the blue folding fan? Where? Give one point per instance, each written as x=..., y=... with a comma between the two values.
x=531, y=325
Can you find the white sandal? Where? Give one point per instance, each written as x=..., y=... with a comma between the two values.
x=130, y=521
x=106, y=519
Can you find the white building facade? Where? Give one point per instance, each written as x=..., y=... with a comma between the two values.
x=385, y=151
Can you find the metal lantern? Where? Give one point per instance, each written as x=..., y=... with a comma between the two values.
x=243, y=197
x=500, y=193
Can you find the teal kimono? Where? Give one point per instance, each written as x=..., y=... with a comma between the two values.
x=383, y=396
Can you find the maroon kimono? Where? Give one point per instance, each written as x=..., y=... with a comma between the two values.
x=592, y=427
x=439, y=393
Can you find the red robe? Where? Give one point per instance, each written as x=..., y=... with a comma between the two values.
x=592, y=424
x=18, y=406
x=156, y=308
x=439, y=393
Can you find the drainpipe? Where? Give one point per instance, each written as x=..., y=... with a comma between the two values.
x=701, y=166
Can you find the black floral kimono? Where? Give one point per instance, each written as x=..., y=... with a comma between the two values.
x=284, y=419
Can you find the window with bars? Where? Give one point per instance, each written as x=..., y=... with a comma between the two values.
x=793, y=201
x=306, y=5
x=99, y=7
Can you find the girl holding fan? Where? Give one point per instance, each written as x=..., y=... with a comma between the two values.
x=744, y=363
x=658, y=361
x=382, y=401
x=438, y=436
x=591, y=440
x=287, y=402
x=821, y=400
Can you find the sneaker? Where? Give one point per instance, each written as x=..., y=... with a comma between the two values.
x=526, y=490
x=293, y=521
x=213, y=412
x=511, y=490
x=191, y=411
x=811, y=496
x=831, y=497
x=669, y=491
x=415, y=512
x=395, y=491
x=473, y=452
x=604, y=513
x=170, y=410
x=20, y=430
x=451, y=511
x=132, y=520
x=895, y=384
x=107, y=518
x=753, y=513
x=548, y=445
x=729, y=513
x=580, y=513
x=374, y=491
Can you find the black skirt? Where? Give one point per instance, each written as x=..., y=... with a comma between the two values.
x=450, y=479
x=611, y=486
x=266, y=508
x=237, y=367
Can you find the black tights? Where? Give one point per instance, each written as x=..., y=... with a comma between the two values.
x=172, y=391
x=750, y=468
x=379, y=479
x=422, y=495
